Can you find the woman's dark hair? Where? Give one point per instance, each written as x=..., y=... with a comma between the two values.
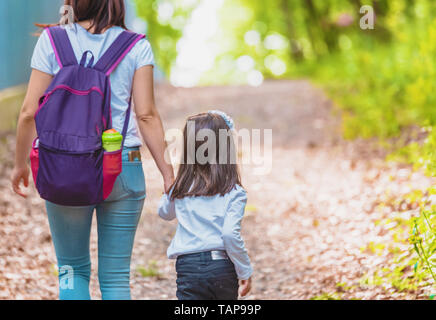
x=102, y=13
x=218, y=176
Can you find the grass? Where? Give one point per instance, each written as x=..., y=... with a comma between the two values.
x=150, y=271
x=11, y=100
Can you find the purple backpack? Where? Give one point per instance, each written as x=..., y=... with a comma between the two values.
x=69, y=165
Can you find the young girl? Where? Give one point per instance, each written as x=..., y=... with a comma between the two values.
x=208, y=201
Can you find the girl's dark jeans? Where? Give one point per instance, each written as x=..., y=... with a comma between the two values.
x=201, y=278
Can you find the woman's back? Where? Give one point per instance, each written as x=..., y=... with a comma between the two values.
x=44, y=60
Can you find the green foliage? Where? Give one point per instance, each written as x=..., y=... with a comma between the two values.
x=10, y=103
x=165, y=22
x=382, y=79
x=423, y=238
x=151, y=271
x=413, y=247
x=420, y=155
x=327, y=296
x=54, y=270
x=383, y=88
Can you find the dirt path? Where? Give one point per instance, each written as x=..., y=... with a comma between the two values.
x=305, y=224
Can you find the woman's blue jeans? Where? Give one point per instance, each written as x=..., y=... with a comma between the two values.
x=117, y=220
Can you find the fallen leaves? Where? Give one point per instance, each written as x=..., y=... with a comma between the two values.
x=306, y=221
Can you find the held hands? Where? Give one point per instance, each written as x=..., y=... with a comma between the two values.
x=18, y=174
x=244, y=287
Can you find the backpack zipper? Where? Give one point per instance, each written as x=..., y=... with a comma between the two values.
x=51, y=149
x=69, y=89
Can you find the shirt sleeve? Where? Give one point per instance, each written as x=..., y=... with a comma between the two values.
x=144, y=55
x=43, y=55
x=167, y=208
x=233, y=242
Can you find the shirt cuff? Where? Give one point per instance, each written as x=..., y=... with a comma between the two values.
x=145, y=64
x=246, y=275
x=42, y=70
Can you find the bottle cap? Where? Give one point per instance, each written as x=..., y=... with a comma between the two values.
x=112, y=140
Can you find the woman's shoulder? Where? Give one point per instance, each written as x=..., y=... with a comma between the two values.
x=142, y=53
x=44, y=38
x=43, y=58
x=142, y=45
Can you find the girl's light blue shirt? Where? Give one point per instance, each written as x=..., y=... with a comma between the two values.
x=44, y=60
x=209, y=223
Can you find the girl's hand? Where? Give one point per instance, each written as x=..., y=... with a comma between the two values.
x=244, y=287
x=18, y=174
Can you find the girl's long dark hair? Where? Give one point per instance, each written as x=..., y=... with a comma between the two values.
x=102, y=13
x=195, y=179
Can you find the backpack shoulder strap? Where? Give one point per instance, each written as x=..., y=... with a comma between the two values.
x=62, y=46
x=117, y=51
x=113, y=57
x=126, y=121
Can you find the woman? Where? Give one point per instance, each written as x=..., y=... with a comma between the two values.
x=97, y=25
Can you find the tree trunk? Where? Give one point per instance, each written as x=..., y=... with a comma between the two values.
x=296, y=52
x=313, y=26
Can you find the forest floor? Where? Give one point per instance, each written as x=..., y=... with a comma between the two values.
x=306, y=221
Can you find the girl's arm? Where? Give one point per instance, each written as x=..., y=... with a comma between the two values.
x=149, y=122
x=233, y=242
x=26, y=132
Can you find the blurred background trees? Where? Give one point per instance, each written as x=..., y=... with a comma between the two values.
x=382, y=79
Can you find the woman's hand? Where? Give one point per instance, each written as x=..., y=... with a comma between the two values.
x=244, y=287
x=18, y=174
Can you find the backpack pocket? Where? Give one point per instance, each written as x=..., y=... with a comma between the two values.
x=112, y=167
x=70, y=179
x=34, y=160
x=70, y=120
